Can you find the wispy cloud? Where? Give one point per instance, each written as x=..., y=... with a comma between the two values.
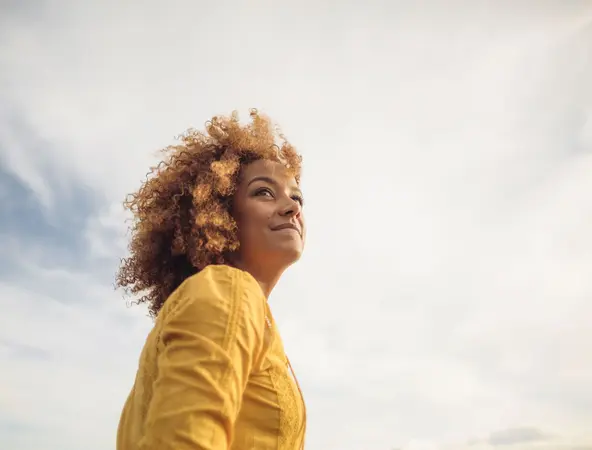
x=445, y=291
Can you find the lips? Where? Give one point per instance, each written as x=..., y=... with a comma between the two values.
x=288, y=226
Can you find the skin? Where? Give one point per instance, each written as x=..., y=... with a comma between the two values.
x=267, y=207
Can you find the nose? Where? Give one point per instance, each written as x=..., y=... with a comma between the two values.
x=291, y=208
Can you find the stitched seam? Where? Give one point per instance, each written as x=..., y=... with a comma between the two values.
x=277, y=402
x=231, y=329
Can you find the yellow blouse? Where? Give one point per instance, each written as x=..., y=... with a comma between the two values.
x=213, y=374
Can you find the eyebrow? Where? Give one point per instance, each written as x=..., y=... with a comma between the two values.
x=271, y=181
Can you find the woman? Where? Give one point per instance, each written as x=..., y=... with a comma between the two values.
x=215, y=226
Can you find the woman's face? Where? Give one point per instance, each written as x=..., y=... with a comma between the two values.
x=268, y=209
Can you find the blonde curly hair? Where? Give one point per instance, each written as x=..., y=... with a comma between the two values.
x=182, y=213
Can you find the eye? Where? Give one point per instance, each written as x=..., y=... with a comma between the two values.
x=299, y=199
x=264, y=192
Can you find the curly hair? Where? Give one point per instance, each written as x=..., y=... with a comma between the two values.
x=182, y=218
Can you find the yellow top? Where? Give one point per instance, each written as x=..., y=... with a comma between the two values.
x=213, y=374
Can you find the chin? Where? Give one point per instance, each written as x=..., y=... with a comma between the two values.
x=289, y=254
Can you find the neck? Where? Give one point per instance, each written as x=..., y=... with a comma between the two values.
x=266, y=278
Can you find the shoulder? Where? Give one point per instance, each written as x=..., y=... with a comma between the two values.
x=215, y=288
x=222, y=275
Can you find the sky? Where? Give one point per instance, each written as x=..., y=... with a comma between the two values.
x=444, y=298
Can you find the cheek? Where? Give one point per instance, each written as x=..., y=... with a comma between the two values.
x=254, y=224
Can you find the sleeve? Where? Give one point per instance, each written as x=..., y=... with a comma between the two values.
x=209, y=345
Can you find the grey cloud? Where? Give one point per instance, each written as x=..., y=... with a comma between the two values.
x=40, y=204
x=513, y=436
x=18, y=351
x=26, y=224
x=11, y=10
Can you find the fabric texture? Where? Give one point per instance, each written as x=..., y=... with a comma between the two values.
x=213, y=375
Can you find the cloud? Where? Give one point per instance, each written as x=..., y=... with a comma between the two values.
x=445, y=289
x=516, y=436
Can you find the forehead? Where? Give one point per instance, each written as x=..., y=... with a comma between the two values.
x=268, y=169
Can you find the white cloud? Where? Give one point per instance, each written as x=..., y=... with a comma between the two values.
x=105, y=232
x=445, y=291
